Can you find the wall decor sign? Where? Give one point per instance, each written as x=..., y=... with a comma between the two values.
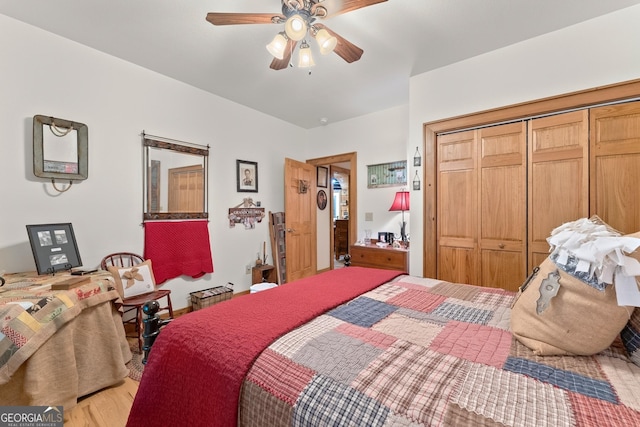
x=392, y=174
x=54, y=247
x=247, y=176
x=246, y=213
x=245, y=216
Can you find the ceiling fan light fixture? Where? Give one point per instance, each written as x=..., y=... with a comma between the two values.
x=326, y=41
x=278, y=45
x=295, y=27
x=305, y=59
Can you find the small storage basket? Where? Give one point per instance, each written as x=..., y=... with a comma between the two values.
x=208, y=297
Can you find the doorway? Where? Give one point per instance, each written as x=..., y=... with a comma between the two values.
x=346, y=166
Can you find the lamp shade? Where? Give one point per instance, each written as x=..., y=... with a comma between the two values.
x=401, y=202
x=326, y=41
x=278, y=45
x=295, y=27
x=305, y=59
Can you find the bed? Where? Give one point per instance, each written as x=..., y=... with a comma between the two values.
x=359, y=346
x=59, y=345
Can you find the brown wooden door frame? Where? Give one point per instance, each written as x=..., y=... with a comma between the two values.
x=352, y=159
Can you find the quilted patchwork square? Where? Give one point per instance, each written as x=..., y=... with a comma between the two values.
x=473, y=342
x=563, y=379
x=408, y=329
x=363, y=311
x=623, y=377
x=411, y=380
x=338, y=356
x=290, y=343
x=385, y=292
x=280, y=376
x=328, y=403
x=376, y=339
x=463, y=313
x=530, y=402
x=597, y=413
x=418, y=300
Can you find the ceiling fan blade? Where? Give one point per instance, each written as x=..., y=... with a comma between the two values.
x=281, y=64
x=350, y=5
x=344, y=49
x=241, y=18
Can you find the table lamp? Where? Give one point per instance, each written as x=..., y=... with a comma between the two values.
x=401, y=203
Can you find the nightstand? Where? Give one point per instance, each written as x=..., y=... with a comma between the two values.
x=263, y=273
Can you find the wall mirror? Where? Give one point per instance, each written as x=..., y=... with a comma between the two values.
x=175, y=179
x=60, y=148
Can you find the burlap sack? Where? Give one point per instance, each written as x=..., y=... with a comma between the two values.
x=579, y=320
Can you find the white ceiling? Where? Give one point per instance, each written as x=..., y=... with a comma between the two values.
x=400, y=38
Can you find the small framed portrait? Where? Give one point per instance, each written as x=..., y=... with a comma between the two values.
x=54, y=247
x=323, y=176
x=321, y=198
x=385, y=237
x=246, y=176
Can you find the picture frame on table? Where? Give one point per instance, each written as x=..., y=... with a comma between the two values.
x=246, y=176
x=54, y=247
x=322, y=176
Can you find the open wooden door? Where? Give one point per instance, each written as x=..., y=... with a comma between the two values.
x=300, y=219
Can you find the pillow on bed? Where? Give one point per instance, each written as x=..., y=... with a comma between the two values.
x=583, y=318
x=631, y=333
x=136, y=280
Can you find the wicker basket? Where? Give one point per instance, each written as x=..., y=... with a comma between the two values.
x=208, y=297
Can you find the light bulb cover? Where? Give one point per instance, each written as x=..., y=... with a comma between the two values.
x=305, y=58
x=278, y=45
x=326, y=41
x=295, y=27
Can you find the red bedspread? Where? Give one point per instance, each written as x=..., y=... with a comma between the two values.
x=198, y=362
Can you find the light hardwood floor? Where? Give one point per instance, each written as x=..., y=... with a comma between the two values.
x=107, y=408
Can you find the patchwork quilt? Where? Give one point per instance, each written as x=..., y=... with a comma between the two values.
x=420, y=352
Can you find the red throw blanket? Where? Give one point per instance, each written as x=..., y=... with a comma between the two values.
x=199, y=360
x=177, y=248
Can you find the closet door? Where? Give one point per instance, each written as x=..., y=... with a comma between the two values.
x=615, y=165
x=457, y=215
x=502, y=212
x=558, y=177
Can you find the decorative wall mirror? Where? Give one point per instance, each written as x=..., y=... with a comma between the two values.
x=60, y=149
x=175, y=179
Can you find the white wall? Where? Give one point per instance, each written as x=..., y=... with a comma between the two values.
x=45, y=74
x=598, y=52
x=380, y=137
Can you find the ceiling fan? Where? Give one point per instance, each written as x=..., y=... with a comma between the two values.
x=300, y=18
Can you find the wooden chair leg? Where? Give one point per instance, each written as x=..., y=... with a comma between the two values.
x=170, y=307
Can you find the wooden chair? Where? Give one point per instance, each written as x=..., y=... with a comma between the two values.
x=135, y=303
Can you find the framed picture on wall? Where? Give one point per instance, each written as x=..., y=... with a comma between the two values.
x=323, y=176
x=54, y=247
x=246, y=176
x=321, y=199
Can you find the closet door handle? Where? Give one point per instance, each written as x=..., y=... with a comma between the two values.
x=291, y=230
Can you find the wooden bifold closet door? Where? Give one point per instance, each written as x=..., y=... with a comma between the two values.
x=502, y=189
x=482, y=206
x=615, y=165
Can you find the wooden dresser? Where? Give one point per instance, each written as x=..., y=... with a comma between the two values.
x=376, y=257
x=341, y=237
